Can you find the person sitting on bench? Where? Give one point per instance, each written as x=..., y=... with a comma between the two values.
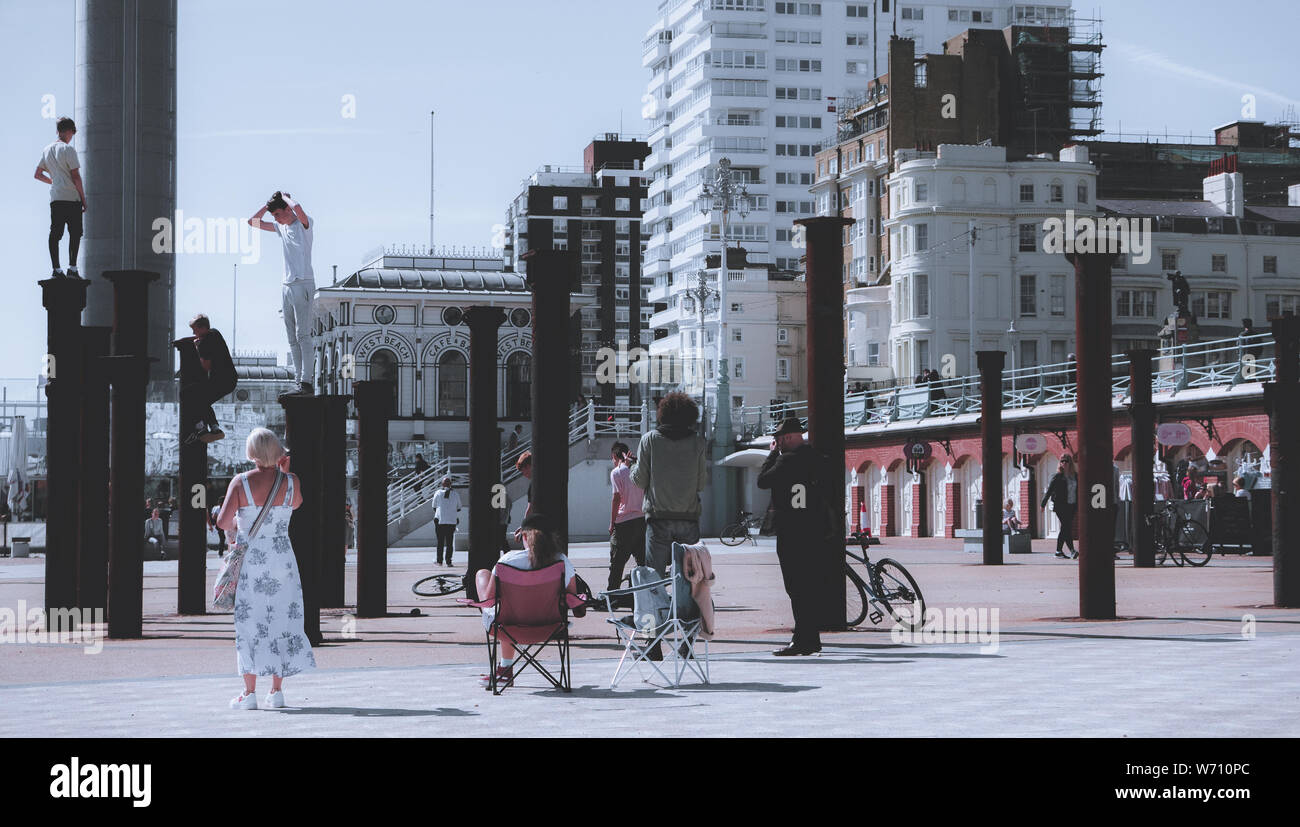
x=218, y=379
x=1010, y=522
x=153, y=534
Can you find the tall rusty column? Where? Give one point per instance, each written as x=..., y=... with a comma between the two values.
x=824, y=268
x=484, y=441
x=334, y=496
x=192, y=572
x=551, y=276
x=92, y=551
x=1282, y=400
x=1142, y=437
x=304, y=417
x=990, y=364
x=129, y=368
x=374, y=404
x=63, y=299
x=1092, y=322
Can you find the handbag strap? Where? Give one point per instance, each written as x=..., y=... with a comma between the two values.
x=266, y=506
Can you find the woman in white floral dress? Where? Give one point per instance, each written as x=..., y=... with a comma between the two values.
x=269, y=636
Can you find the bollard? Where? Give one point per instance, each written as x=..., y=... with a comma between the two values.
x=192, y=531
x=303, y=419
x=92, y=553
x=1142, y=436
x=63, y=300
x=484, y=442
x=990, y=364
x=1282, y=400
x=824, y=359
x=374, y=400
x=551, y=274
x=334, y=496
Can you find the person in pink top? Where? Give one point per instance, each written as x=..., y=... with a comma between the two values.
x=626, y=515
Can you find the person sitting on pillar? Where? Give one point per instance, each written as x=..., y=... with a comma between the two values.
x=446, y=510
x=672, y=470
x=153, y=534
x=60, y=169
x=791, y=472
x=218, y=380
x=295, y=229
x=1063, y=492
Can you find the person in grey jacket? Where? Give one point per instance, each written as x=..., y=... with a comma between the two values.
x=672, y=469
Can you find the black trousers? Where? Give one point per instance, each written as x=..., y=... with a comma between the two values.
x=800, y=584
x=628, y=540
x=65, y=214
x=202, y=394
x=1065, y=513
x=446, y=535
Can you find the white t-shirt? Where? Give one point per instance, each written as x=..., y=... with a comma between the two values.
x=519, y=559
x=59, y=160
x=445, y=506
x=297, y=249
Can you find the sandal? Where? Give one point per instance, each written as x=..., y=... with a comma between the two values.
x=504, y=673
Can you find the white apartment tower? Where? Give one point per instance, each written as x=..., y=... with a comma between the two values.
x=756, y=81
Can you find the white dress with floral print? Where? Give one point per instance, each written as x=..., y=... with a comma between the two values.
x=269, y=636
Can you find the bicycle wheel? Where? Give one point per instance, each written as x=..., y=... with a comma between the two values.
x=1192, y=542
x=734, y=534
x=855, y=598
x=900, y=594
x=438, y=585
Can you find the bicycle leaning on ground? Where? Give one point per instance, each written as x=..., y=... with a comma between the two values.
x=1179, y=538
x=438, y=585
x=887, y=584
x=741, y=530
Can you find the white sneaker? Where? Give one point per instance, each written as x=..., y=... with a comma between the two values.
x=275, y=700
x=244, y=701
x=73, y=274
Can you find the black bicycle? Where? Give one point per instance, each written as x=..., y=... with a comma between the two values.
x=742, y=529
x=439, y=585
x=1184, y=540
x=887, y=584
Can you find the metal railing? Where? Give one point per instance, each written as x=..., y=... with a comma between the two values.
x=1223, y=363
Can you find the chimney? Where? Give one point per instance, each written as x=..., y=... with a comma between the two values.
x=1293, y=195
x=1224, y=188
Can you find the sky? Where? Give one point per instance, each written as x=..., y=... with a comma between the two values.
x=263, y=105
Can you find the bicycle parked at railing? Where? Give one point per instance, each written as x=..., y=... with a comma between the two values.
x=886, y=584
x=746, y=525
x=1180, y=538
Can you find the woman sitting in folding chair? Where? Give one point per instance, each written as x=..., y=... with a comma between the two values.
x=541, y=549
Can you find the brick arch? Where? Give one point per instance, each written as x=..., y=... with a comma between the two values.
x=1235, y=429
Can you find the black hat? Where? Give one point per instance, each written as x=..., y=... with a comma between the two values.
x=538, y=522
x=791, y=425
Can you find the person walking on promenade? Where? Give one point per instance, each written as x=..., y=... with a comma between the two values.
x=218, y=380
x=672, y=470
x=512, y=443
x=212, y=523
x=60, y=168
x=793, y=472
x=295, y=228
x=269, y=635
x=1063, y=492
x=351, y=521
x=626, y=516
x=446, y=511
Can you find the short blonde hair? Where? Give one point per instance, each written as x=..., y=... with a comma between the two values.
x=264, y=447
x=201, y=320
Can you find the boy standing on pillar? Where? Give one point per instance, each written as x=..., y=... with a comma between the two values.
x=218, y=380
x=60, y=169
x=295, y=230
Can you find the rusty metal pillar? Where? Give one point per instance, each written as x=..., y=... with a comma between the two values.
x=1282, y=400
x=334, y=496
x=1142, y=437
x=551, y=277
x=64, y=300
x=374, y=404
x=1096, y=445
x=824, y=268
x=92, y=553
x=192, y=531
x=990, y=364
x=129, y=368
x=304, y=416
x=484, y=441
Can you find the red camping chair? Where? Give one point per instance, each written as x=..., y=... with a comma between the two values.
x=532, y=611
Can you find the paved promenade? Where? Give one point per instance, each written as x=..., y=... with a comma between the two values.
x=1198, y=654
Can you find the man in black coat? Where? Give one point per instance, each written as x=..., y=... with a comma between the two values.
x=790, y=472
x=1063, y=491
x=219, y=378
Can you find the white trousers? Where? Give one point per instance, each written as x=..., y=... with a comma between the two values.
x=297, y=297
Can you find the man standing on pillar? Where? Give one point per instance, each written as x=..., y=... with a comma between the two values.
x=218, y=380
x=295, y=229
x=60, y=168
x=791, y=472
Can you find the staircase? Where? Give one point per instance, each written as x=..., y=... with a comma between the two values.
x=592, y=430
